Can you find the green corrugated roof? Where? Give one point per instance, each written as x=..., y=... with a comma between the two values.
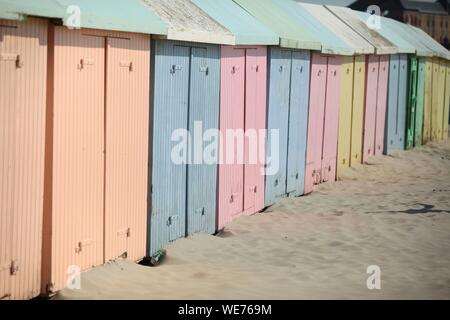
x=246, y=29
x=117, y=15
x=291, y=34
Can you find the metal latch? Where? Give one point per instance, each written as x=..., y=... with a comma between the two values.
x=127, y=64
x=256, y=68
x=200, y=211
x=282, y=68
x=171, y=220
x=82, y=244
x=175, y=68
x=253, y=189
x=235, y=69
x=14, y=267
x=233, y=196
x=85, y=62
x=205, y=70
x=124, y=232
x=12, y=57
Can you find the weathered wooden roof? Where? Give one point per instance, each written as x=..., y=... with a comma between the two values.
x=187, y=22
x=427, y=40
x=291, y=34
x=406, y=33
x=381, y=44
x=117, y=15
x=402, y=44
x=246, y=29
x=340, y=29
x=331, y=44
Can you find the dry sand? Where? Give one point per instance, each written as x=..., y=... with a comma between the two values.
x=313, y=247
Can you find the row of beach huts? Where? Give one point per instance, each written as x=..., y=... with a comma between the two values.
x=92, y=91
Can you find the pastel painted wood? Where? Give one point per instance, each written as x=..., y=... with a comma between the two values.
x=242, y=108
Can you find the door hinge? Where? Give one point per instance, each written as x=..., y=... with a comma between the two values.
x=14, y=268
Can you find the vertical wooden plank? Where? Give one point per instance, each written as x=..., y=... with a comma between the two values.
x=428, y=98
x=441, y=99
x=418, y=128
x=78, y=153
x=411, y=102
x=392, y=108
x=316, y=115
x=331, y=119
x=370, y=106
x=402, y=102
x=8, y=105
x=380, y=124
x=250, y=145
x=435, y=105
x=277, y=119
x=232, y=106
x=345, y=116
x=127, y=134
x=170, y=107
x=298, y=122
x=203, y=110
x=358, y=110
x=446, y=119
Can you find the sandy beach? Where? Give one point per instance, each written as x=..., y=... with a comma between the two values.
x=393, y=213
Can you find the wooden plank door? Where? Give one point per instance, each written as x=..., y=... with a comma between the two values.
x=170, y=112
x=359, y=80
x=315, y=121
x=383, y=78
x=298, y=123
x=203, y=112
x=412, y=101
x=331, y=119
x=345, y=116
x=232, y=107
x=418, y=126
x=373, y=63
x=428, y=98
x=277, y=120
x=78, y=153
x=127, y=134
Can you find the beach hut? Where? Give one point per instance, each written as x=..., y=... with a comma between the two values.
x=96, y=163
x=243, y=100
x=416, y=124
x=185, y=103
x=345, y=147
x=23, y=61
x=399, y=86
x=377, y=73
x=288, y=99
x=440, y=93
x=333, y=45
